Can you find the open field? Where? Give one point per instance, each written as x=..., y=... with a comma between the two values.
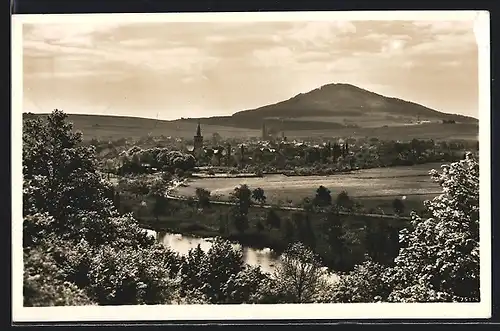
x=434, y=131
x=116, y=127
x=379, y=185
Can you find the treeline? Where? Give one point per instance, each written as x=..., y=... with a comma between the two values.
x=78, y=250
x=351, y=154
x=139, y=161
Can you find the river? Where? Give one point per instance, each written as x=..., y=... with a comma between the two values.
x=265, y=258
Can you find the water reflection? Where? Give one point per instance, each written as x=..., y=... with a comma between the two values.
x=265, y=258
x=182, y=244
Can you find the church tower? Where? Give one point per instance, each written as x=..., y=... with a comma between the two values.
x=198, y=142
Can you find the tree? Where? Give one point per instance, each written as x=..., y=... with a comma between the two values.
x=323, y=197
x=43, y=286
x=288, y=231
x=307, y=204
x=307, y=235
x=58, y=171
x=219, y=275
x=381, y=242
x=364, y=284
x=258, y=195
x=299, y=275
x=69, y=216
x=344, y=201
x=117, y=200
x=244, y=286
x=334, y=233
x=216, y=138
x=127, y=276
x=259, y=226
x=398, y=206
x=203, y=197
x=223, y=224
x=439, y=258
x=239, y=219
x=272, y=219
x=242, y=196
x=303, y=229
x=160, y=205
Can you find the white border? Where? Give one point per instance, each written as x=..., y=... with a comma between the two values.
x=242, y=312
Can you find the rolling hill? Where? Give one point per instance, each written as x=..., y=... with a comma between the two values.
x=334, y=106
x=333, y=110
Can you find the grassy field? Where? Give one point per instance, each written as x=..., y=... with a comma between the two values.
x=371, y=187
x=439, y=132
x=116, y=127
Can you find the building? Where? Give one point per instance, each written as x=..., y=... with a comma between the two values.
x=264, y=131
x=198, y=142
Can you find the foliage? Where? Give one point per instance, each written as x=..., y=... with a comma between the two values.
x=364, y=284
x=344, y=201
x=219, y=275
x=334, y=235
x=160, y=205
x=323, y=197
x=439, y=260
x=73, y=234
x=242, y=196
x=259, y=195
x=137, y=160
x=381, y=242
x=398, y=206
x=288, y=231
x=299, y=276
x=203, y=197
x=43, y=284
x=272, y=219
x=259, y=226
x=303, y=229
x=239, y=219
x=130, y=276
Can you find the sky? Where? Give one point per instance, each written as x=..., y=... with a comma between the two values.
x=169, y=70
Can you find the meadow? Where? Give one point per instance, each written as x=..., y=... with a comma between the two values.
x=373, y=188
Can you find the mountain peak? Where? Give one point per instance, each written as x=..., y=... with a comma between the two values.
x=347, y=104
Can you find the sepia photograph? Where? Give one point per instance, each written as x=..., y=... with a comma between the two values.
x=251, y=166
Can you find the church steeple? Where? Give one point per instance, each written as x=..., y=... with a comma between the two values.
x=198, y=142
x=198, y=130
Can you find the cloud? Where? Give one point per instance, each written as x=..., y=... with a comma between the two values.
x=444, y=26
x=72, y=74
x=446, y=44
x=267, y=61
x=140, y=42
x=318, y=34
x=128, y=53
x=393, y=46
x=272, y=57
x=217, y=39
x=67, y=34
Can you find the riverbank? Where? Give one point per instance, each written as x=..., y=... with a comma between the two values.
x=187, y=219
x=251, y=239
